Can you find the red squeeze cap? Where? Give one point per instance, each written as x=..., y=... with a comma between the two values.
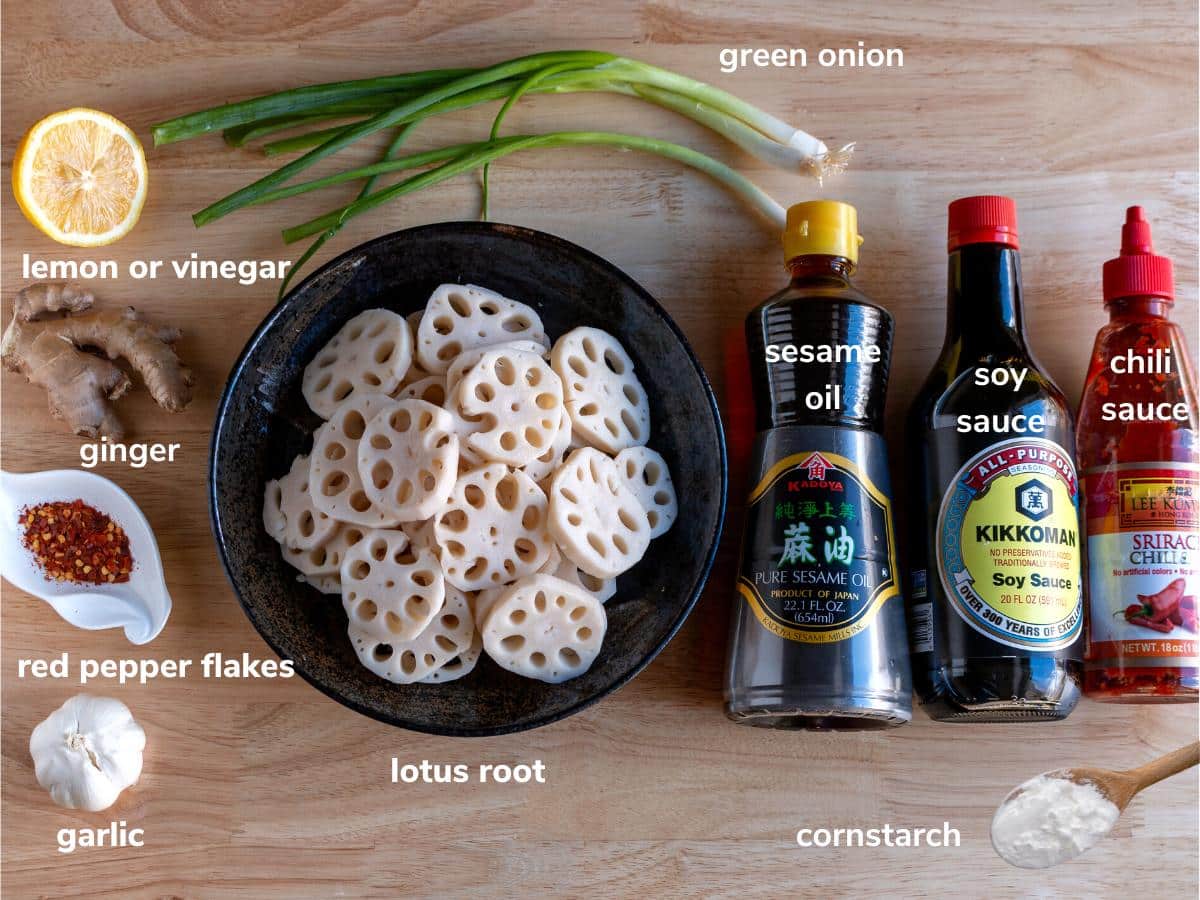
x=1138, y=272
x=988, y=219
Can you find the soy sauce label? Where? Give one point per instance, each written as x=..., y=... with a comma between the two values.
x=819, y=556
x=1008, y=545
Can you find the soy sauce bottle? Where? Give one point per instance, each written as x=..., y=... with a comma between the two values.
x=818, y=636
x=995, y=592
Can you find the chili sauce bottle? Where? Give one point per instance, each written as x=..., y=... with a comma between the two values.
x=996, y=598
x=1139, y=452
x=818, y=636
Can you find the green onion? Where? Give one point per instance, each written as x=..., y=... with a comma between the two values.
x=415, y=161
x=474, y=155
x=519, y=91
x=307, y=139
x=566, y=82
x=320, y=113
x=240, y=135
x=401, y=136
x=799, y=154
x=294, y=101
x=399, y=115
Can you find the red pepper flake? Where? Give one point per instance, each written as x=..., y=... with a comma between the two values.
x=72, y=541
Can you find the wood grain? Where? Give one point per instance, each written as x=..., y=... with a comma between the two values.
x=268, y=789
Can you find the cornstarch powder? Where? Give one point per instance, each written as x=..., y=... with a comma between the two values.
x=1050, y=820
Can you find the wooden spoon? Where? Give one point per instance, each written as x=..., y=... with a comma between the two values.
x=1121, y=787
x=1031, y=837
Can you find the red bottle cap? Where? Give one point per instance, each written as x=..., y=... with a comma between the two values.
x=1138, y=272
x=988, y=219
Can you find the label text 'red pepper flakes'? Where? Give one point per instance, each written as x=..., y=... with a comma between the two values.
x=72, y=541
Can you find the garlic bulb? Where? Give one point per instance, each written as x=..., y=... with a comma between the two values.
x=87, y=751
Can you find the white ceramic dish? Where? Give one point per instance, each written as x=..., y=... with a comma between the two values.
x=140, y=606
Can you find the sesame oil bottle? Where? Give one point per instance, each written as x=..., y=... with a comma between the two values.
x=818, y=636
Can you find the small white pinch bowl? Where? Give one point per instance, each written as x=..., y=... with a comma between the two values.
x=140, y=606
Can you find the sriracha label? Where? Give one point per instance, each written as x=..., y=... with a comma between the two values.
x=1143, y=525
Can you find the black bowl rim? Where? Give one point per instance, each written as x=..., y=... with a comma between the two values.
x=522, y=233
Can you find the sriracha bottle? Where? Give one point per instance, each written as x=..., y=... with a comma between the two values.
x=1140, y=459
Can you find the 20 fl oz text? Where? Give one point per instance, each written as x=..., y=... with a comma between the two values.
x=426, y=772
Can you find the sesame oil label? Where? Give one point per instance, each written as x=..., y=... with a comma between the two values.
x=819, y=554
x=1008, y=546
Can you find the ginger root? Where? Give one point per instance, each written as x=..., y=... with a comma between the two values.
x=46, y=341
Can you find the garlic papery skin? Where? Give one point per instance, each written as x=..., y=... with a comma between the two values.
x=87, y=751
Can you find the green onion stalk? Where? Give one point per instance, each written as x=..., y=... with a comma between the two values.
x=400, y=102
x=755, y=131
x=468, y=157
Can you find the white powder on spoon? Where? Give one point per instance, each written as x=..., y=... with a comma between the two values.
x=1050, y=819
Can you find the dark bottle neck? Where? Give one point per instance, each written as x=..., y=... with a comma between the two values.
x=984, y=314
x=821, y=311
x=1132, y=308
x=810, y=268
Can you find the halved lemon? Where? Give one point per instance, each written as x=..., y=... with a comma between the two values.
x=80, y=177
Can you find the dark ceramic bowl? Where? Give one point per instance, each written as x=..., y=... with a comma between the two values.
x=263, y=422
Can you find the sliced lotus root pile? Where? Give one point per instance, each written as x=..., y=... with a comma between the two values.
x=541, y=468
x=520, y=399
x=326, y=584
x=449, y=635
x=459, y=317
x=386, y=592
x=273, y=519
x=597, y=521
x=486, y=599
x=325, y=560
x=455, y=458
x=315, y=562
x=465, y=361
x=545, y=628
x=646, y=475
x=408, y=459
x=289, y=512
x=606, y=401
x=603, y=588
x=431, y=389
x=493, y=531
x=465, y=426
x=553, y=560
x=421, y=536
x=370, y=354
x=333, y=478
x=458, y=667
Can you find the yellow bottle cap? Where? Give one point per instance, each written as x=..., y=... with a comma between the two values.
x=822, y=228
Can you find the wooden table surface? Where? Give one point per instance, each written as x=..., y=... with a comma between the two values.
x=268, y=788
